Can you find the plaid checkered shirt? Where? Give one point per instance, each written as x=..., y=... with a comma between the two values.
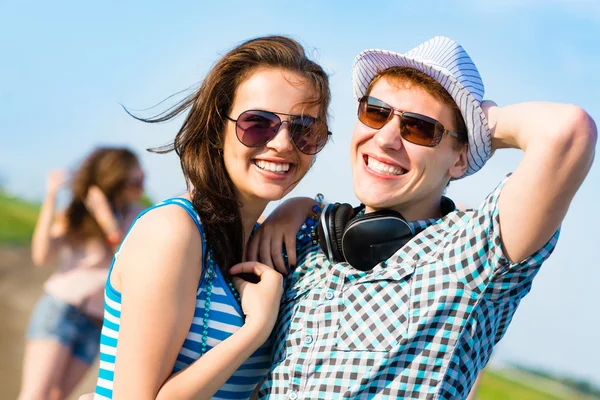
x=420, y=325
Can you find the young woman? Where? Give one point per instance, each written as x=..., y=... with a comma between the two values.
x=64, y=332
x=178, y=322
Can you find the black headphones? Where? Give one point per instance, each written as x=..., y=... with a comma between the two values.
x=364, y=240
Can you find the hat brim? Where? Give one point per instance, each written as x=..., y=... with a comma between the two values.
x=370, y=63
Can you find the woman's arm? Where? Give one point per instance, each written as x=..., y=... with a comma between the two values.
x=260, y=302
x=98, y=206
x=48, y=230
x=157, y=272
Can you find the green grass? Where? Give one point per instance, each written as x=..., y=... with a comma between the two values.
x=146, y=201
x=17, y=219
x=494, y=386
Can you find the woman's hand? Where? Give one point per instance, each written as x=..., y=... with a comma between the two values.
x=49, y=230
x=279, y=230
x=56, y=179
x=260, y=301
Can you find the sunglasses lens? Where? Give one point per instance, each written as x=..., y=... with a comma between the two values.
x=255, y=128
x=418, y=130
x=373, y=113
x=137, y=183
x=415, y=128
x=309, y=134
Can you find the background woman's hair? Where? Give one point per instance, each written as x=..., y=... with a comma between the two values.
x=199, y=142
x=108, y=168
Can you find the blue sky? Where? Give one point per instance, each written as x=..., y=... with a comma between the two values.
x=66, y=66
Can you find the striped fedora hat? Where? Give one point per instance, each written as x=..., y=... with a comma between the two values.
x=448, y=63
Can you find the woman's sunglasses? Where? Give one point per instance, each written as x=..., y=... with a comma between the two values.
x=415, y=128
x=255, y=128
x=137, y=183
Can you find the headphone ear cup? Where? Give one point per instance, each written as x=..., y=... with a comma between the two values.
x=337, y=224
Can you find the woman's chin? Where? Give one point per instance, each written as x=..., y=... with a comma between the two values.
x=273, y=193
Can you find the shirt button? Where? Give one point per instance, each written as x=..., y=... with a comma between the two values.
x=329, y=295
x=293, y=395
x=308, y=339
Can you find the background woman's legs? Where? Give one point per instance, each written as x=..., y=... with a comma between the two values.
x=75, y=371
x=43, y=368
x=62, y=344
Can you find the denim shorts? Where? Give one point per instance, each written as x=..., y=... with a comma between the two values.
x=53, y=318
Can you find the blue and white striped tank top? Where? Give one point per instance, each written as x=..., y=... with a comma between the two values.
x=226, y=317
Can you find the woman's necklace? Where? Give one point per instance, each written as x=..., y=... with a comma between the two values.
x=211, y=272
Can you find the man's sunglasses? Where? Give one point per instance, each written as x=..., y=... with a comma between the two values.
x=415, y=128
x=255, y=128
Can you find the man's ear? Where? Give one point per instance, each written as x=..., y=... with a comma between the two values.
x=460, y=164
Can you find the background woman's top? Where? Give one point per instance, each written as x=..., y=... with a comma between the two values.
x=81, y=277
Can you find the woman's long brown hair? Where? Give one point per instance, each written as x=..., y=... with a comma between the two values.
x=107, y=168
x=199, y=142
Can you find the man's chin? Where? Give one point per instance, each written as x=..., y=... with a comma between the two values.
x=376, y=204
x=376, y=199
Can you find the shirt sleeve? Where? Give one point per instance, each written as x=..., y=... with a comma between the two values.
x=477, y=256
x=509, y=280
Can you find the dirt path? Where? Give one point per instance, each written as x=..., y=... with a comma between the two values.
x=20, y=287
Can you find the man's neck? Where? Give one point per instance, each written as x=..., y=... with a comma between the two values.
x=415, y=212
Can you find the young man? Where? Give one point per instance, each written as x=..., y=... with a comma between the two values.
x=422, y=323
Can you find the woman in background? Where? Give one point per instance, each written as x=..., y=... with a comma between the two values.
x=64, y=330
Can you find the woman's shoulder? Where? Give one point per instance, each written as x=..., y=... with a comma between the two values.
x=172, y=221
x=162, y=234
x=168, y=218
x=163, y=251
x=136, y=211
